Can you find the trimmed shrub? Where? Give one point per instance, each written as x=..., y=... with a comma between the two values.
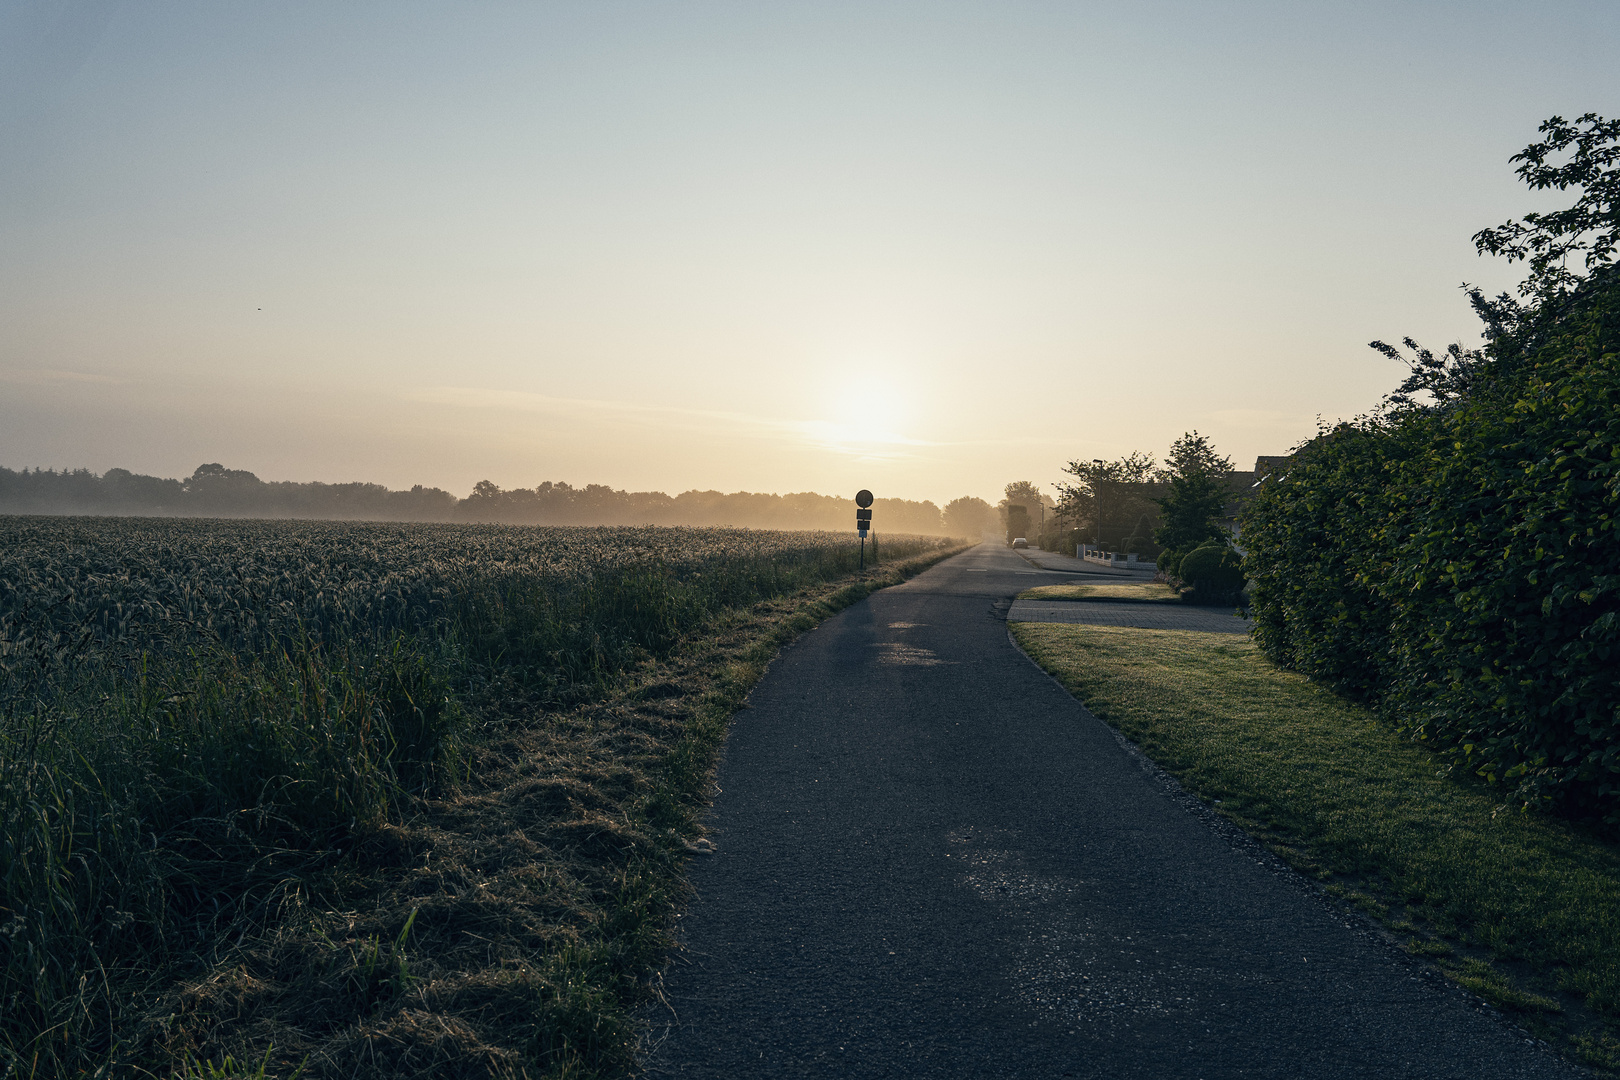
x=1214, y=572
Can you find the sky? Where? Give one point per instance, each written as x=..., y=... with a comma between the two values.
x=923, y=248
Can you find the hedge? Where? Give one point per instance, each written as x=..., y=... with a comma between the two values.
x=1457, y=565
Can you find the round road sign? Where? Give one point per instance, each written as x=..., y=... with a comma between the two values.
x=863, y=498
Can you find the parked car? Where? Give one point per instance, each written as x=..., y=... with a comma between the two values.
x=1020, y=542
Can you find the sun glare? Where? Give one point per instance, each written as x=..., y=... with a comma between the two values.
x=866, y=412
x=876, y=415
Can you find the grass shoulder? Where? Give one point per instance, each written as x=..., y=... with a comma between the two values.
x=1521, y=910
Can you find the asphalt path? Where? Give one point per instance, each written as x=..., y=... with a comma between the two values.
x=933, y=862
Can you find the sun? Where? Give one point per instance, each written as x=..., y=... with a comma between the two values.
x=867, y=412
x=877, y=412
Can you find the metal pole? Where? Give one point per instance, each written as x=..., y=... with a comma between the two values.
x=863, y=554
x=1096, y=490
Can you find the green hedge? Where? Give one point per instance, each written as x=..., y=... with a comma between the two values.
x=1457, y=565
x=1317, y=540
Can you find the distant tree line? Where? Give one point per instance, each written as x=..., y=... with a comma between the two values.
x=596, y=504
x=215, y=491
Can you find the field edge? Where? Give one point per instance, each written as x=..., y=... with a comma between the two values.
x=532, y=911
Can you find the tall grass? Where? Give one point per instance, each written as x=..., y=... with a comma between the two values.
x=145, y=819
x=196, y=718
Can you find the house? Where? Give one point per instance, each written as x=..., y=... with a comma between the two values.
x=1244, y=485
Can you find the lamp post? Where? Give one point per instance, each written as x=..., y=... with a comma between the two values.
x=1096, y=495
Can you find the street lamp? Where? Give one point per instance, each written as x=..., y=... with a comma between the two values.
x=1096, y=495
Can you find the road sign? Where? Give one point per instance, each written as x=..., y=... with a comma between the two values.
x=863, y=523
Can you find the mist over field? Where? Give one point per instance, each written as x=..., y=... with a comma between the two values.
x=215, y=491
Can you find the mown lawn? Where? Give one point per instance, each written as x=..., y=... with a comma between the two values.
x=1522, y=910
x=1146, y=591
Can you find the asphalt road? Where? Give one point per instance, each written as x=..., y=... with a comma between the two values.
x=932, y=862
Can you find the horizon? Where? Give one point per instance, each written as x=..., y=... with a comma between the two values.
x=537, y=485
x=68, y=470
x=922, y=249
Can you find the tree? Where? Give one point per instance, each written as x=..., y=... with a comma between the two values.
x=217, y=489
x=1515, y=329
x=1592, y=225
x=1016, y=516
x=484, y=492
x=1023, y=493
x=1199, y=480
x=1103, y=499
x=969, y=517
x=1193, y=454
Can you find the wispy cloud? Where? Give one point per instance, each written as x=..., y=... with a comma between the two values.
x=822, y=434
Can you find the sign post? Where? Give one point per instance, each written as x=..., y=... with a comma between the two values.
x=863, y=523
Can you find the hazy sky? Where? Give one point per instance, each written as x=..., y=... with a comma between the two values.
x=924, y=248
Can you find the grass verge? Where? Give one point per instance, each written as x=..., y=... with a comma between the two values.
x=1521, y=910
x=510, y=928
x=1151, y=592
